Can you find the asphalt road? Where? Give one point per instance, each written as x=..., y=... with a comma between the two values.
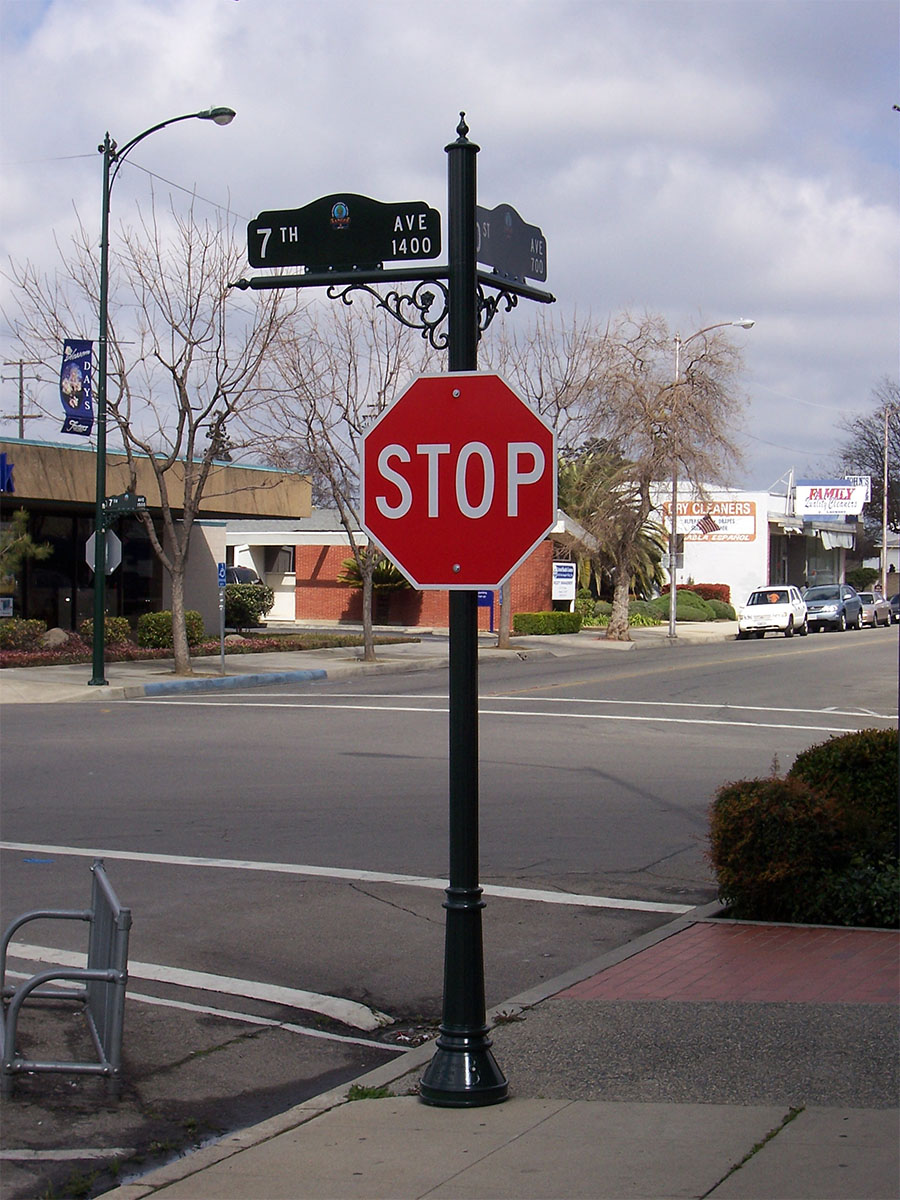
x=596, y=777
x=284, y=852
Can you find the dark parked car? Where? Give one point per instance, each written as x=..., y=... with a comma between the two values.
x=836, y=605
x=241, y=575
x=895, y=608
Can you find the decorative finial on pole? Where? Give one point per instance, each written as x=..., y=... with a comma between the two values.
x=462, y=128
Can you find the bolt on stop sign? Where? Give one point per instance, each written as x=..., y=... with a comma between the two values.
x=458, y=481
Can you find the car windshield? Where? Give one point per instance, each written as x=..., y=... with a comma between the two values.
x=867, y=597
x=771, y=596
x=824, y=593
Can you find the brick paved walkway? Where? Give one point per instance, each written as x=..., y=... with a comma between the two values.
x=764, y=963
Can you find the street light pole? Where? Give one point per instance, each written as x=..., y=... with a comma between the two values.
x=112, y=160
x=742, y=323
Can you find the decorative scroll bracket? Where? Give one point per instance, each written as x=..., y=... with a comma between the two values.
x=421, y=308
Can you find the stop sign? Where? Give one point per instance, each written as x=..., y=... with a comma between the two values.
x=458, y=481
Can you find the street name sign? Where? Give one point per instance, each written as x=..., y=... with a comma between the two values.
x=125, y=502
x=458, y=481
x=344, y=231
x=508, y=244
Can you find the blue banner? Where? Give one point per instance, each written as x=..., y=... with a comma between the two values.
x=75, y=391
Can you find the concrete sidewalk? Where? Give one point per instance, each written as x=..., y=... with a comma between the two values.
x=626, y=1080
x=427, y=649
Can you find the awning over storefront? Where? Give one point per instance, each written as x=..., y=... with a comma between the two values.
x=836, y=539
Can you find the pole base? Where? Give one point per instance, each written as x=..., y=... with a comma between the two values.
x=463, y=1076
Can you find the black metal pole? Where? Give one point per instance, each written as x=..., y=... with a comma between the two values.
x=463, y=1072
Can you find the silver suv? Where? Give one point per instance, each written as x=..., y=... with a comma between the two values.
x=836, y=605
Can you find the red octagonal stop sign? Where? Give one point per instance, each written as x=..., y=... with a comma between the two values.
x=458, y=481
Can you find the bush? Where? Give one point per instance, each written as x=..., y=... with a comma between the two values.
x=247, y=603
x=862, y=578
x=771, y=843
x=155, y=629
x=546, y=622
x=819, y=845
x=688, y=607
x=861, y=771
x=18, y=634
x=115, y=631
x=723, y=611
x=707, y=591
x=864, y=893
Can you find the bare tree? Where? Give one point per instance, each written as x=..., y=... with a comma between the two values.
x=556, y=365
x=657, y=425
x=338, y=368
x=185, y=359
x=873, y=439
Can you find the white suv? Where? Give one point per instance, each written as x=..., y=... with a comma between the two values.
x=777, y=609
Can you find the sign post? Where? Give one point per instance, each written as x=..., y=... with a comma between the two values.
x=341, y=242
x=223, y=579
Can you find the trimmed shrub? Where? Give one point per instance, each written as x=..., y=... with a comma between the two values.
x=862, y=578
x=155, y=629
x=723, y=611
x=864, y=893
x=546, y=622
x=688, y=607
x=247, y=603
x=19, y=634
x=861, y=771
x=707, y=591
x=771, y=843
x=115, y=630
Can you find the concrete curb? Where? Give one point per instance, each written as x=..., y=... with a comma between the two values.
x=218, y=683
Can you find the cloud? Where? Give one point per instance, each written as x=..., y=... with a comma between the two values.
x=705, y=160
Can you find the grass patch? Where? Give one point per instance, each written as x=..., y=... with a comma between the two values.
x=357, y=1092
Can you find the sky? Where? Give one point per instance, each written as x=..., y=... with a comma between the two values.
x=708, y=160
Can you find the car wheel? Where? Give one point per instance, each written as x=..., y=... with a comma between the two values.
x=789, y=632
x=842, y=623
x=741, y=635
x=858, y=624
x=760, y=633
x=804, y=628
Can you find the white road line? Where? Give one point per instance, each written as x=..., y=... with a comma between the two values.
x=499, y=712
x=247, y=1018
x=348, y=1012
x=354, y=876
x=498, y=697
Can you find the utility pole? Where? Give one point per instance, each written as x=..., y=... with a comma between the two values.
x=22, y=415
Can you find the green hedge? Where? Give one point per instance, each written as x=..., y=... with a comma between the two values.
x=19, y=634
x=155, y=629
x=546, y=622
x=115, y=630
x=688, y=606
x=246, y=604
x=819, y=845
x=860, y=768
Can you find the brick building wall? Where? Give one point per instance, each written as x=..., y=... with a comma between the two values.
x=319, y=597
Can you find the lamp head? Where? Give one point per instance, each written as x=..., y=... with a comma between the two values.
x=221, y=116
x=744, y=323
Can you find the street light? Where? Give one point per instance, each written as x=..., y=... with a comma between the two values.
x=113, y=155
x=742, y=323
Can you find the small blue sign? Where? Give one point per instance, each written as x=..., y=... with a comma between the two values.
x=221, y=567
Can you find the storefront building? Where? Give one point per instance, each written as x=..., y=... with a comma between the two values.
x=56, y=486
